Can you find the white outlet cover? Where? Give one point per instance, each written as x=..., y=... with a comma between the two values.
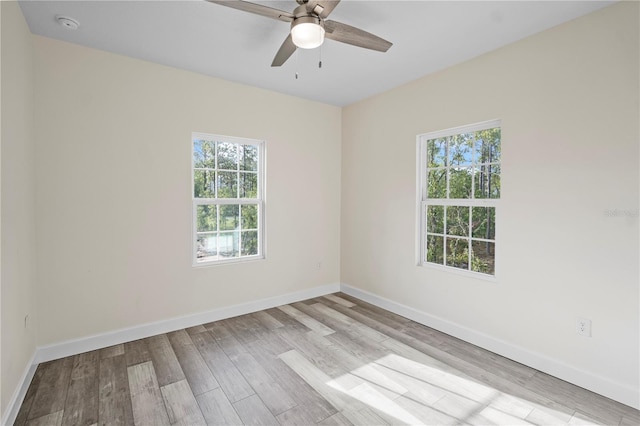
x=583, y=326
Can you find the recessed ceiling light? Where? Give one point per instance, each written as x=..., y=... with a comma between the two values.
x=67, y=22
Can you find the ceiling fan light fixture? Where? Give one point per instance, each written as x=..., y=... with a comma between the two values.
x=307, y=32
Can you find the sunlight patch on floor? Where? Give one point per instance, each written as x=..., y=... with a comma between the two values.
x=405, y=391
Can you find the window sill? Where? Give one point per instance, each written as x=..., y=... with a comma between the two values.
x=456, y=271
x=228, y=261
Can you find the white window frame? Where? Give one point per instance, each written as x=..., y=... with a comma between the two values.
x=423, y=201
x=259, y=200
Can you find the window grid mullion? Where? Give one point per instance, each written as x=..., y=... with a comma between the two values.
x=469, y=239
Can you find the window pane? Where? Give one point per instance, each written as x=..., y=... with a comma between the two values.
x=207, y=247
x=227, y=185
x=460, y=149
x=458, y=253
x=458, y=221
x=203, y=154
x=435, y=249
x=483, y=222
x=207, y=217
x=229, y=217
x=249, y=243
x=227, y=156
x=487, y=148
x=204, y=183
x=483, y=257
x=249, y=216
x=249, y=157
x=437, y=184
x=435, y=219
x=460, y=182
x=228, y=243
x=436, y=153
x=487, y=181
x=248, y=185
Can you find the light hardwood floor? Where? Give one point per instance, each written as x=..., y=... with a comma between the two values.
x=333, y=360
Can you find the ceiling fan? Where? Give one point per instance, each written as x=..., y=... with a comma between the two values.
x=309, y=27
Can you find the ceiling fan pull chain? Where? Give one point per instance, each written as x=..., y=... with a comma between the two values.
x=297, y=64
x=320, y=61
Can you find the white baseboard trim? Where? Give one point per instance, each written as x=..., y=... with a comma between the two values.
x=10, y=414
x=620, y=392
x=89, y=343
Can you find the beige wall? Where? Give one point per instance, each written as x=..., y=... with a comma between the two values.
x=114, y=192
x=568, y=100
x=18, y=225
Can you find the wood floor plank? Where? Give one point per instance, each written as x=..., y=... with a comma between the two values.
x=226, y=339
x=81, y=406
x=627, y=421
x=425, y=368
x=365, y=417
x=296, y=416
x=193, y=365
x=458, y=406
x=490, y=415
x=425, y=414
x=52, y=389
x=268, y=389
x=583, y=400
x=112, y=351
x=114, y=407
x=337, y=419
x=216, y=409
x=252, y=411
x=349, y=323
x=363, y=349
x=313, y=347
x=137, y=352
x=53, y=419
x=230, y=379
x=306, y=320
x=418, y=390
x=267, y=320
x=339, y=300
x=182, y=407
x=146, y=398
x=543, y=416
x=326, y=385
x=243, y=328
x=304, y=395
x=375, y=311
x=165, y=362
x=196, y=329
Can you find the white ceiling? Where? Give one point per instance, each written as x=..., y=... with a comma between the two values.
x=207, y=38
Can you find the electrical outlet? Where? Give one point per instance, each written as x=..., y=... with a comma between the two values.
x=583, y=327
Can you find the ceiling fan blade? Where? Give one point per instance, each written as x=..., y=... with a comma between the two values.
x=258, y=9
x=351, y=35
x=324, y=9
x=286, y=50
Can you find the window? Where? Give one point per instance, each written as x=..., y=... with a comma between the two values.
x=459, y=189
x=228, y=199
